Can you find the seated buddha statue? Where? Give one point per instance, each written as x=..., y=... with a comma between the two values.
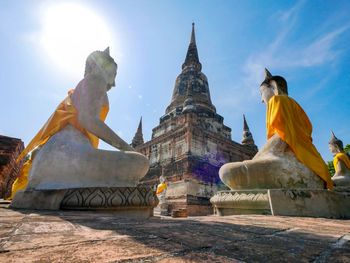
x=66, y=153
x=288, y=159
x=341, y=162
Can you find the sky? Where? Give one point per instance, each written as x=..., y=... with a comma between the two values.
x=44, y=45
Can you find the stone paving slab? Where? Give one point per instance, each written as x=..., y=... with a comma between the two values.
x=81, y=236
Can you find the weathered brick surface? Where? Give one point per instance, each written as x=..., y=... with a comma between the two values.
x=191, y=141
x=10, y=148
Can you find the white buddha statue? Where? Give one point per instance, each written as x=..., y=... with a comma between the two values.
x=68, y=156
x=288, y=159
x=341, y=162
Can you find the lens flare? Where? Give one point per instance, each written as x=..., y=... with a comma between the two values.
x=69, y=33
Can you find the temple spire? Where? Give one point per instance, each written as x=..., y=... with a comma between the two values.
x=138, y=138
x=247, y=135
x=191, y=90
x=192, y=59
x=245, y=124
x=193, y=36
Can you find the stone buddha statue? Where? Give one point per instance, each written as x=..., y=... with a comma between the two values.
x=161, y=189
x=341, y=163
x=68, y=156
x=288, y=159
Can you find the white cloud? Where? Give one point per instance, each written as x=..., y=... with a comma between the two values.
x=321, y=50
x=281, y=54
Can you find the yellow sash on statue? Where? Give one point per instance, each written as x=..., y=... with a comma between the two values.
x=64, y=114
x=286, y=118
x=161, y=187
x=341, y=157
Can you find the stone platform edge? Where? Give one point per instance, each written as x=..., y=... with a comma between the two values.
x=127, y=201
x=283, y=202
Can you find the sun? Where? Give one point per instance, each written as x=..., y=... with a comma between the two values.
x=69, y=33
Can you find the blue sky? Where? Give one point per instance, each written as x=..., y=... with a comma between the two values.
x=307, y=42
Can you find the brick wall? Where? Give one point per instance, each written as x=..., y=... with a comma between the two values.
x=10, y=148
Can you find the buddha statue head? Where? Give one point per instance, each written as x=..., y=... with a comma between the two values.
x=101, y=63
x=162, y=179
x=271, y=86
x=335, y=145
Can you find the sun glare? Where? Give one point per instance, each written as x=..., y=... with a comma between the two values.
x=70, y=32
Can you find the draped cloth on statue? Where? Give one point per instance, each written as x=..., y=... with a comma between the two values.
x=341, y=157
x=64, y=114
x=161, y=187
x=286, y=118
x=22, y=180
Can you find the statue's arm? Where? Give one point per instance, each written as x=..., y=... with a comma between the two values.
x=88, y=115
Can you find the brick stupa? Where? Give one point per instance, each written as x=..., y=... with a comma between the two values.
x=191, y=142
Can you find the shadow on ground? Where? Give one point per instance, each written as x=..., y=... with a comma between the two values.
x=78, y=236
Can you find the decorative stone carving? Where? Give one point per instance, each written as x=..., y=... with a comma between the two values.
x=238, y=202
x=125, y=201
x=104, y=198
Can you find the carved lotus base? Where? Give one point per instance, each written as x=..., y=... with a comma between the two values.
x=283, y=202
x=124, y=201
x=241, y=202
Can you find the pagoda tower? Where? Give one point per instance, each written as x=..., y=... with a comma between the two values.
x=138, y=138
x=191, y=142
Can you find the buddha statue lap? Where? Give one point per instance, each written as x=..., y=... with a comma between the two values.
x=288, y=159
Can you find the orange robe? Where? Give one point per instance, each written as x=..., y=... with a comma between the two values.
x=64, y=114
x=161, y=187
x=286, y=118
x=341, y=157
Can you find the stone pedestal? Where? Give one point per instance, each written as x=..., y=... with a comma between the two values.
x=161, y=209
x=241, y=202
x=191, y=195
x=283, y=202
x=124, y=201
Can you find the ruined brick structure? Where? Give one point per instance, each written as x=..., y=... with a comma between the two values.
x=191, y=142
x=10, y=148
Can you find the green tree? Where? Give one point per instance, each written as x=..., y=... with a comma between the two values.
x=347, y=148
x=331, y=168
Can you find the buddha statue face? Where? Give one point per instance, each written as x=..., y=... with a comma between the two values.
x=101, y=63
x=267, y=92
x=272, y=85
x=333, y=148
x=109, y=71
